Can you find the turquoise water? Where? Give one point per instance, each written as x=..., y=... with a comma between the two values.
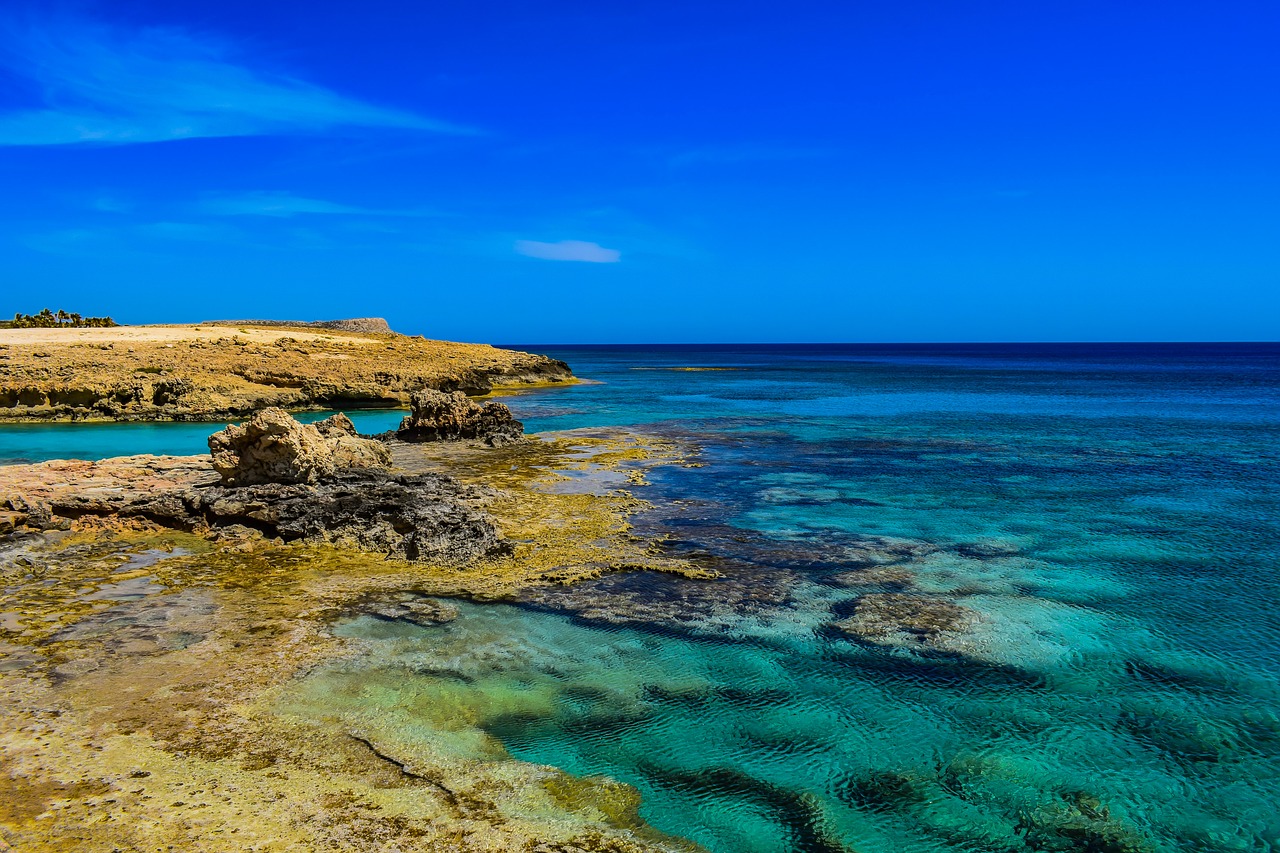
x=38, y=442
x=1108, y=520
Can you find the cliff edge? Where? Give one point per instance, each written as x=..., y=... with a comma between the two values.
x=219, y=372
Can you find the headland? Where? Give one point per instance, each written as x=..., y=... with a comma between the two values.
x=229, y=369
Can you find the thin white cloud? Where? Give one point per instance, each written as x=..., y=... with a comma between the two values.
x=569, y=250
x=111, y=87
x=285, y=204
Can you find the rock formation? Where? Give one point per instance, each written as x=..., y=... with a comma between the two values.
x=279, y=479
x=911, y=621
x=407, y=606
x=417, y=517
x=436, y=416
x=272, y=447
x=355, y=324
x=224, y=373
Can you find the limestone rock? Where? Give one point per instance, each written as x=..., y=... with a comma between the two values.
x=272, y=447
x=417, y=517
x=354, y=324
x=11, y=521
x=421, y=517
x=226, y=372
x=437, y=416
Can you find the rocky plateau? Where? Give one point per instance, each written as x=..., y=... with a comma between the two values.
x=219, y=371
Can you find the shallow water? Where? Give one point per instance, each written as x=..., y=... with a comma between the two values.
x=1108, y=516
x=38, y=442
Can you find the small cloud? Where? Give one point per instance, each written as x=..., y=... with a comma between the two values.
x=569, y=250
x=113, y=87
x=284, y=204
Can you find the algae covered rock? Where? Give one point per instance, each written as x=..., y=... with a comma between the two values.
x=273, y=447
x=912, y=621
x=409, y=607
x=437, y=416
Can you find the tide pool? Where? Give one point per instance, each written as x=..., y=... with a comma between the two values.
x=39, y=442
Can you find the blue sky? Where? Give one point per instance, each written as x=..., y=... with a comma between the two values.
x=595, y=172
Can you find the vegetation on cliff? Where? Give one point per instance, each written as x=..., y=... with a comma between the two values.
x=46, y=319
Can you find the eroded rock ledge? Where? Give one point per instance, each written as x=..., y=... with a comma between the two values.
x=271, y=478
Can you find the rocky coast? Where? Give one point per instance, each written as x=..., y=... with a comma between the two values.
x=221, y=371
x=218, y=651
x=157, y=611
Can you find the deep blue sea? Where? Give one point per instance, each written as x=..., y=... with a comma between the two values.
x=1101, y=523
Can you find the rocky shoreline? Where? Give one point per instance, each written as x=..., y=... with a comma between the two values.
x=161, y=605
x=237, y=566
x=276, y=479
x=220, y=371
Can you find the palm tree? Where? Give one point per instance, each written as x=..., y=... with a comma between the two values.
x=62, y=317
x=75, y=319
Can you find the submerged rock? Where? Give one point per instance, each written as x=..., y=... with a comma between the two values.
x=986, y=550
x=914, y=621
x=409, y=607
x=437, y=416
x=273, y=447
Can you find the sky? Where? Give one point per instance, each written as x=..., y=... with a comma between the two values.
x=567, y=172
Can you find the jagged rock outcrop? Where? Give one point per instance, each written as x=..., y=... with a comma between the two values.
x=272, y=447
x=271, y=477
x=436, y=416
x=420, y=517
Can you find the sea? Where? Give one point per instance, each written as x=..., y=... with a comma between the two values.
x=973, y=597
